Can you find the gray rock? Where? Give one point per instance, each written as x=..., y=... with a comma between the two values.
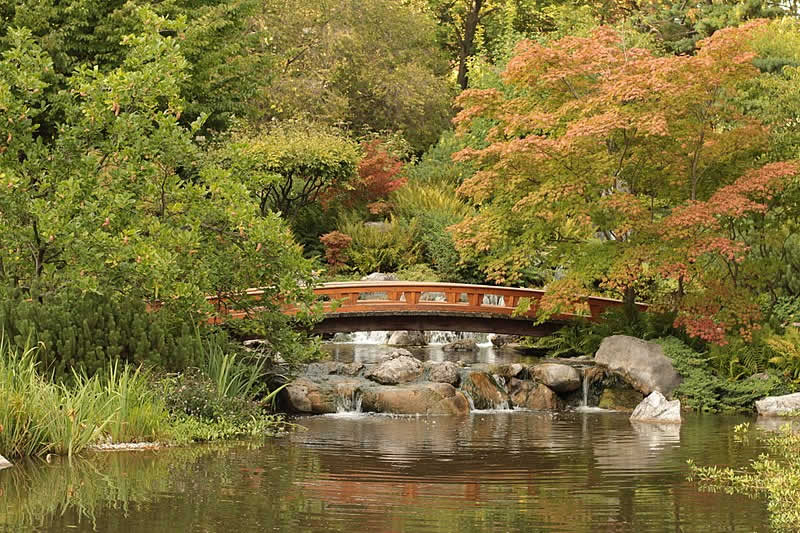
x=394, y=354
x=502, y=340
x=417, y=398
x=4, y=463
x=643, y=364
x=788, y=404
x=379, y=276
x=334, y=367
x=444, y=372
x=396, y=370
x=560, y=378
x=461, y=345
x=408, y=338
x=656, y=408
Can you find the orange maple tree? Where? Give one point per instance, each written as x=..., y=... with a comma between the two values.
x=626, y=170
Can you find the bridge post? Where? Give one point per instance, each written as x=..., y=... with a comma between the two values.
x=412, y=297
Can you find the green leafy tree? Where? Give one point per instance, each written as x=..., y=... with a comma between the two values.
x=370, y=66
x=102, y=206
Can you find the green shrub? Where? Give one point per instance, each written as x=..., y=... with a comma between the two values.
x=703, y=390
x=435, y=208
x=381, y=247
x=86, y=333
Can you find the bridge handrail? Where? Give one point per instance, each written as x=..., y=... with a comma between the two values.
x=405, y=296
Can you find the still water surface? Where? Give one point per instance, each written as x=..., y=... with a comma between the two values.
x=489, y=471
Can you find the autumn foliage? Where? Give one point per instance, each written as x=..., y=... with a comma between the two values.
x=336, y=244
x=379, y=173
x=632, y=170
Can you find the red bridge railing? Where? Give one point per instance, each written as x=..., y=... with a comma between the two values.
x=410, y=296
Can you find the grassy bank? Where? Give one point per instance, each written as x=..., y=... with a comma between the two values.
x=223, y=398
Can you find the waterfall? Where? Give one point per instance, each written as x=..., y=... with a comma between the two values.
x=362, y=337
x=348, y=403
x=432, y=337
x=586, y=384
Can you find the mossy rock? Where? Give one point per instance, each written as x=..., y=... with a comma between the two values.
x=620, y=399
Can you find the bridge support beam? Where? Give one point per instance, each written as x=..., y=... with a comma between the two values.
x=348, y=322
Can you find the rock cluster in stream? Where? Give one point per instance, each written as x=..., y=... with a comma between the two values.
x=401, y=384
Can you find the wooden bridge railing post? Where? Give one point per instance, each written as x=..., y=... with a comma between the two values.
x=412, y=297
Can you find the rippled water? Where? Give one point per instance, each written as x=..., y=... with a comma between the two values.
x=496, y=471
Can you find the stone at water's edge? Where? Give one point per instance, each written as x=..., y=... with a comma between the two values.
x=788, y=404
x=319, y=397
x=396, y=370
x=532, y=395
x=560, y=378
x=643, y=364
x=444, y=372
x=461, y=345
x=484, y=390
x=4, y=463
x=417, y=398
x=656, y=408
x=408, y=338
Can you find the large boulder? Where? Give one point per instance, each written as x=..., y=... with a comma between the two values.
x=788, y=404
x=443, y=372
x=4, y=463
x=532, y=395
x=643, y=364
x=396, y=370
x=656, y=408
x=461, y=345
x=408, y=338
x=484, y=391
x=560, y=378
x=417, y=398
x=304, y=395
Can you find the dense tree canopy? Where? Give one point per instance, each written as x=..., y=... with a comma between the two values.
x=104, y=205
x=599, y=149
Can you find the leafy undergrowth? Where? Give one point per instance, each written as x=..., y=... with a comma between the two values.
x=704, y=390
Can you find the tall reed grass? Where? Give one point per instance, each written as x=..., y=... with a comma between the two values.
x=39, y=416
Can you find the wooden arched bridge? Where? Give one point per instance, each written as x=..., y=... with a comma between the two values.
x=421, y=306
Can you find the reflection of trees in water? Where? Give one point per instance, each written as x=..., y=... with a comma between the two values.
x=521, y=471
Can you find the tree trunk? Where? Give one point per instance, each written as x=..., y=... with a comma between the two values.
x=630, y=309
x=468, y=41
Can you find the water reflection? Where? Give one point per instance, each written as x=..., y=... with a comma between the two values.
x=511, y=471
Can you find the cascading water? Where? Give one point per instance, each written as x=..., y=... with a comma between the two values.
x=348, y=403
x=362, y=337
x=586, y=383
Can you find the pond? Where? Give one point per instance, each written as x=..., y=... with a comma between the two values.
x=489, y=471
